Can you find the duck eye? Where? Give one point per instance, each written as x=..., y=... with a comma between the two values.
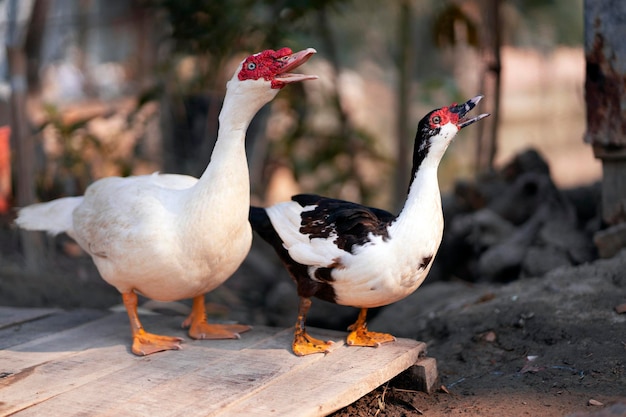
x=251, y=66
x=436, y=120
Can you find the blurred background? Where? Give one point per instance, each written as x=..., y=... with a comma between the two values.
x=93, y=88
x=129, y=87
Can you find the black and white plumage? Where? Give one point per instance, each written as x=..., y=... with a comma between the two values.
x=360, y=256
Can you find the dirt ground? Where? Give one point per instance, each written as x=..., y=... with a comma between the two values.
x=549, y=346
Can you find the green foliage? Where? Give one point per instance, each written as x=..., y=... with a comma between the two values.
x=77, y=149
x=546, y=23
x=342, y=31
x=68, y=173
x=446, y=23
x=208, y=26
x=331, y=155
x=217, y=29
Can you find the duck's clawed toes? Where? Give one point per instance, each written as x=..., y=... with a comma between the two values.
x=360, y=336
x=145, y=343
x=204, y=330
x=367, y=338
x=303, y=344
x=199, y=328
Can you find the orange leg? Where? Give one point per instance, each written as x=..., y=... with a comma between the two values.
x=360, y=336
x=199, y=328
x=303, y=344
x=145, y=343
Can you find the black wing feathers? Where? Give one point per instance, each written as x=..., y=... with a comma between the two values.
x=261, y=224
x=307, y=287
x=351, y=222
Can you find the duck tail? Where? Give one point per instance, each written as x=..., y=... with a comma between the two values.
x=260, y=222
x=53, y=217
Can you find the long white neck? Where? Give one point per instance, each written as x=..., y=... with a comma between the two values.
x=421, y=216
x=222, y=193
x=422, y=209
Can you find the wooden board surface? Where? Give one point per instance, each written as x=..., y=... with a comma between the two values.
x=10, y=316
x=86, y=368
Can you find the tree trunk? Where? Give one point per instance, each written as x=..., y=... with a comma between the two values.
x=496, y=68
x=22, y=139
x=404, y=89
x=24, y=150
x=605, y=87
x=487, y=145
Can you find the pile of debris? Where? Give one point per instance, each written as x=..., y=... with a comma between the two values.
x=516, y=223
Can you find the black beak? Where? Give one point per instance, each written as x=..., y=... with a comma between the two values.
x=463, y=109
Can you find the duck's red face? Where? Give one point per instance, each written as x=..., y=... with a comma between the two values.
x=455, y=114
x=274, y=66
x=442, y=117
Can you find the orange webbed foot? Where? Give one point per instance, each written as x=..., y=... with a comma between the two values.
x=199, y=328
x=360, y=336
x=145, y=343
x=363, y=337
x=303, y=344
x=204, y=330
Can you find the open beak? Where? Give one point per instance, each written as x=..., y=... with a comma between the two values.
x=463, y=109
x=293, y=61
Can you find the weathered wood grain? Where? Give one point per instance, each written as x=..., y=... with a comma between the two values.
x=10, y=316
x=45, y=322
x=88, y=370
x=335, y=381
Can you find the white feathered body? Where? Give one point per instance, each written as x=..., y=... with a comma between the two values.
x=169, y=236
x=383, y=270
x=142, y=235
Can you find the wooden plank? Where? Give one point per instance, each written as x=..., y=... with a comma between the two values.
x=88, y=370
x=340, y=379
x=99, y=333
x=50, y=366
x=42, y=368
x=27, y=327
x=10, y=316
x=40, y=383
x=193, y=382
x=232, y=379
x=425, y=373
x=112, y=329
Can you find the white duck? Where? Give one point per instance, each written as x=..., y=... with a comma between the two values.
x=360, y=256
x=171, y=237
